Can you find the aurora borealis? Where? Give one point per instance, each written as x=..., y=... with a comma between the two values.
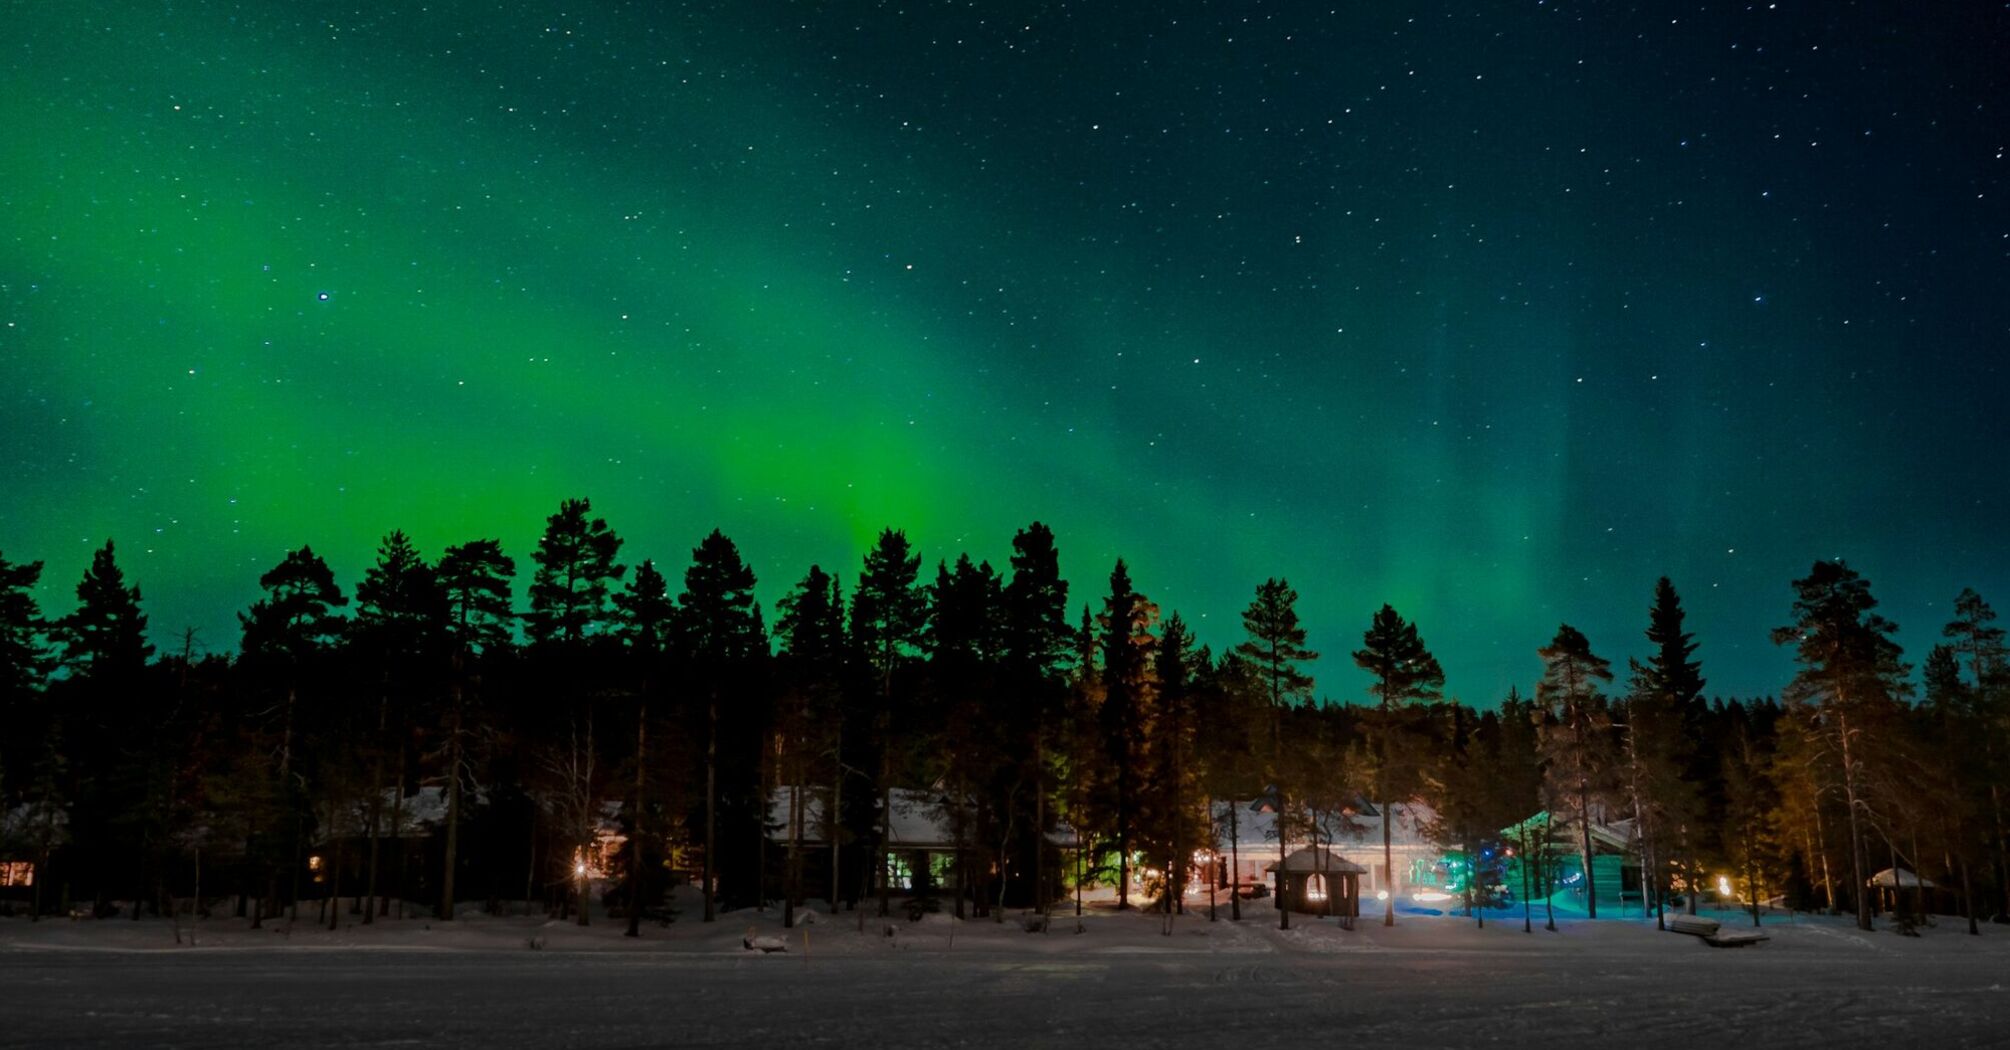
x=1493, y=312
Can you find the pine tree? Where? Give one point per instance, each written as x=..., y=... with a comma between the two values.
x=401, y=623
x=1036, y=639
x=1405, y=673
x=24, y=651
x=724, y=641
x=575, y=569
x=33, y=731
x=814, y=655
x=964, y=641
x=1176, y=808
x=286, y=635
x=889, y=619
x=1575, y=739
x=1274, y=649
x=1849, y=682
x=1518, y=782
x=1124, y=717
x=1978, y=646
x=475, y=578
x=472, y=585
x=646, y=625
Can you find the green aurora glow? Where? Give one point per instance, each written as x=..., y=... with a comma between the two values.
x=1316, y=301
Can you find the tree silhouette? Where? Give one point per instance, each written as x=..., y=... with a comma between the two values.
x=1274, y=649
x=723, y=640
x=1575, y=739
x=1404, y=673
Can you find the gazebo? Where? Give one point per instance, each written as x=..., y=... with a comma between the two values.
x=1318, y=881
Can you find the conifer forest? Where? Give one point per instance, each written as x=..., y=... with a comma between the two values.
x=660, y=699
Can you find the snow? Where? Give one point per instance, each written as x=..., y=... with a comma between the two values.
x=1430, y=980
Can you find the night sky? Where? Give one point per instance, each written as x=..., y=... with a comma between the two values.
x=1491, y=311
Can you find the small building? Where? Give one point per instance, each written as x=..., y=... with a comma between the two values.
x=1551, y=849
x=1318, y=881
x=1246, y=847
x=921, y=847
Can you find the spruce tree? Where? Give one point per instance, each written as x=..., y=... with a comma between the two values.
x=1404, y=673
x=1665, y=714
x=105, y=640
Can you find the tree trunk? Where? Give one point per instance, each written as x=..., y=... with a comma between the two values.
x=635, y=820
x=1388, y=867
x=376, y=809
x=834, y=818
x=335, y=885
x=1857, y=859
x=453, y=802
x=397, y=835
x=1039, y=836
x=1584, y=829
x=711, y=802
x=1828, y=879
x=1528, y=918
x=1234, y=863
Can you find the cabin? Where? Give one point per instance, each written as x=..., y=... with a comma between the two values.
x=1549, y=859
x=922, y=841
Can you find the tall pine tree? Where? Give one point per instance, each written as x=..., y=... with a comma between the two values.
x=1274, y=649
x=1404, y=673
x=1575, y=738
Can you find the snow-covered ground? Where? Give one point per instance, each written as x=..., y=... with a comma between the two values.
x=1428, y=981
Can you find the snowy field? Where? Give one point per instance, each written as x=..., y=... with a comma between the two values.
x=1431, y=981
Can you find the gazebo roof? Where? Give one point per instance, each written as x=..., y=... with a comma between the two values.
x=1320, y=860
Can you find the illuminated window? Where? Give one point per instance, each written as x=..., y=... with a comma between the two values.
x=898, y=875
x=1315, y=887
x=17, y=873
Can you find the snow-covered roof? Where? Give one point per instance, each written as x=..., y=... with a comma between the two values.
x=1320, y=860
x=418, y=814
x=921, y=819
x=1615, y=837
x=1887, y=879
x=1255, y=826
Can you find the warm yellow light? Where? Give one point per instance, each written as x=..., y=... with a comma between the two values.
x=314, y=863
x=1724, y=885
x=579, y=868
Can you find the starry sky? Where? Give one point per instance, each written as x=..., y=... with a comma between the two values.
x=1495, y=312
